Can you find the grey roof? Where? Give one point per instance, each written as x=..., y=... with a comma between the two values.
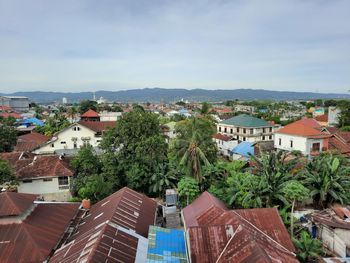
x=245, y=120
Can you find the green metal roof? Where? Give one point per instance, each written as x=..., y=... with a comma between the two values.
x=245, y=120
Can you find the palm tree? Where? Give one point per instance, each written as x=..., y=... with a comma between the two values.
x=189, y=147
x=162, y=179
x=308, y=249
x=275, y=171
x=328, y=180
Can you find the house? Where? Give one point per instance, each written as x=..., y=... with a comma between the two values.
x=242, y=151
x=216, y=234
x=28, y=142
x=333, y=116
x=169, y=130
x=90, y=115
x=71, y=139
x=113, y=230
x=322, y=119
x=244, y=108
x=29, y=229
x=46, y=175
x=332, y=227
x=247, y=128
x=224, y=143
x=110, y=116
x=304, y=135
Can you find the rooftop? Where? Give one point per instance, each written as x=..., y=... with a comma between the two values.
x=90, y=114
x=98, y=126
x=304, y=128
x=15, y=204
x=245, y=120
x=30, y=141
x=222, y=137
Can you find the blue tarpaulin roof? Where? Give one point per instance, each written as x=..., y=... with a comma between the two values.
x=244, y=149
x=166, y=245
x=34, y=121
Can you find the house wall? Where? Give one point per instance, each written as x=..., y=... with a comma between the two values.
x=252, y=134
x=301, y=144
x=334, y=239
x=65, y=140
x=50, y=190
x=225, y=146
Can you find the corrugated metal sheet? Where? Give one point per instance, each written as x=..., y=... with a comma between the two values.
x=125, y=210
x=14, y=204
x=35, y=238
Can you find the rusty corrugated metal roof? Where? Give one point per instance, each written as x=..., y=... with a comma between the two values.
x=36, y=237
x=14, y=204
x=116, y=225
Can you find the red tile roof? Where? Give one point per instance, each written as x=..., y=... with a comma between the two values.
x=30, y=141
x=34, y=238
x=98, y=126
x=14, y=204
x=222, y=137
x=11, y=114
x=256, y=234
x=337, y=144
x=304, y=127
x=112, y=230
x=5, y=108
x=90, y=114
x=26, y=165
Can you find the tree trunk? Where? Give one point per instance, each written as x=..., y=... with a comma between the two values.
x=291, y=219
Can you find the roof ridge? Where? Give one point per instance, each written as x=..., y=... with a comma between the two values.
x=13, y=203
x=228, y=242
x=262, y=232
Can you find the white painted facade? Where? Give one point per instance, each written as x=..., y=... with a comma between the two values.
x=336, y=240
x=290, y=143
x=51, y=188
x=110, y=116
x=333, y=116
x=248, y=134
x=71, y=138
x=225, y=146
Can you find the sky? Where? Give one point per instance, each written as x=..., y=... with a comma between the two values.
x=90, y=45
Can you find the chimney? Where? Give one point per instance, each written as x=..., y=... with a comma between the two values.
x=86, y=203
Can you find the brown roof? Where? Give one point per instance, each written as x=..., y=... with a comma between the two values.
x=333, y=217
x=90, y=114
x=98, y=126
x=27, y=165
x=256, y=234
x=322, y=118
x=222, y=137
x=304, y=127
x=337, y=144
x=36, y=236
x=204, y=203
x=28, y=142
x=14, y=204
x=113, y=229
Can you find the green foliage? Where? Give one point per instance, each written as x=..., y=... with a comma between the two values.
x=165, y=177
x=344, y=116
x=53, y=124
x=193, y=147
x=85, y=105
x=139, y=146
x=308, y=249
x=328, y=179
x=8, y=138
x=6, y=174
x=205, y=108
x=95, y=188
x=188, y=189
x=294, y=190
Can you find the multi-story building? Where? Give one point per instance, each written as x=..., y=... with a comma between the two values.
x=16, y=103
x=247, y=128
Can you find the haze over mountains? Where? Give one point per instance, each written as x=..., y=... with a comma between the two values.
x=171, y=95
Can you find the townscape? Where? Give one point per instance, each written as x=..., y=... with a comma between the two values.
x=229, y=181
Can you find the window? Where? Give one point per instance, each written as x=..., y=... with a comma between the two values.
x=316, y=147
x=63, y=182
x=63, y=142
x=76, y=128
x=52, y=145
x=291, y=144
x=75, y=145
x=263, y=130
x=225, y=130
x=263, y=138
x=237, y=129
x=219, y=129
x=251, y=131
x=244, y=130
x=270, y=137
x=244, y=139
x=270, y=129
x=27, y=181
x=279, y=141
x=47, y=179
x=231, y=131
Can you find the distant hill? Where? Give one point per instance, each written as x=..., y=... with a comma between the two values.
x=170, y=95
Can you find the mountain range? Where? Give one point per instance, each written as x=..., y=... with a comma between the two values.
x=171, y=95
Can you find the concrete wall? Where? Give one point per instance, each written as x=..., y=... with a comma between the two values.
x=65, y=139
x=50, y=190
x=334, y=239
x=301, y=144
x=225, y=146
x=252, y=134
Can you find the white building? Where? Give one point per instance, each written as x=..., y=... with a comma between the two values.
x=333, y=116
x=224, y=143
x=17, y=103
x=245, y=108
x=304, y=135
x=72, y=138
x=45, y=175
x=110, y=116
x=247, y=128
